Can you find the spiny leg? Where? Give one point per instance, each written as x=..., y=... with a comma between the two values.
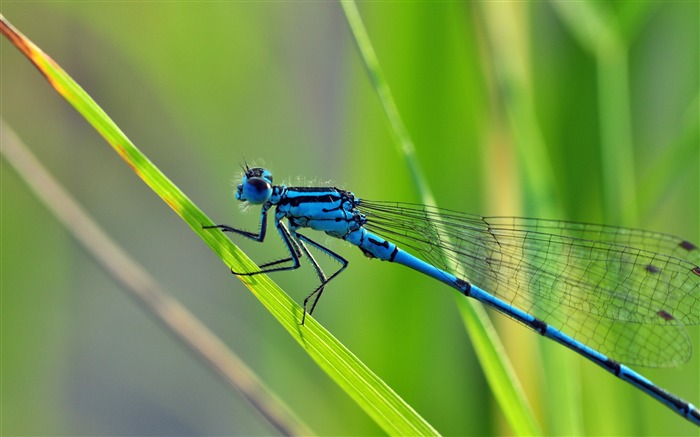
x=316, y=294
x=295, y=245
x=292, y=247
x=259, y=237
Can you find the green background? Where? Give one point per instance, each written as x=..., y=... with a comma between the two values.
x=200, y=86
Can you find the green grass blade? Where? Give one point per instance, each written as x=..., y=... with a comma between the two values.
x=138, y=283
x=493, y=360
x=673, y=161
x=508, y=35
x=373, y=395
x=593, y=25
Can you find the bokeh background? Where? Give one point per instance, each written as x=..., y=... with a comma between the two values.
x=511, y=111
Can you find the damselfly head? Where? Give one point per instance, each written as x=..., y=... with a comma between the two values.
x=255, y=187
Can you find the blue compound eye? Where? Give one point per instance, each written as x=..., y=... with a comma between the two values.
x=256, y=191
x=265, y=174
x=259, y=172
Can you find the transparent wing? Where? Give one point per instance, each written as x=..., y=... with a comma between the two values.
x=627, y=293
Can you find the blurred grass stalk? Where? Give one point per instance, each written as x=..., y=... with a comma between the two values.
x=606, y=35
x=669, y=164
x=601, y=34
x=140, y=285
x=595, y=28
x=489, y=349
x=507, y=39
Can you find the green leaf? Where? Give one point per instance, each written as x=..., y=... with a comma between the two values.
x=371, y=393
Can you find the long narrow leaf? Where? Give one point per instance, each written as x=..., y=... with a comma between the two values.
x=371, y=393
x=139, y=284
x=494, y=362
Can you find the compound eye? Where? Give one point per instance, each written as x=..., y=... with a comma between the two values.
x=267, y=176
x=259, y=172
x=256, y=191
